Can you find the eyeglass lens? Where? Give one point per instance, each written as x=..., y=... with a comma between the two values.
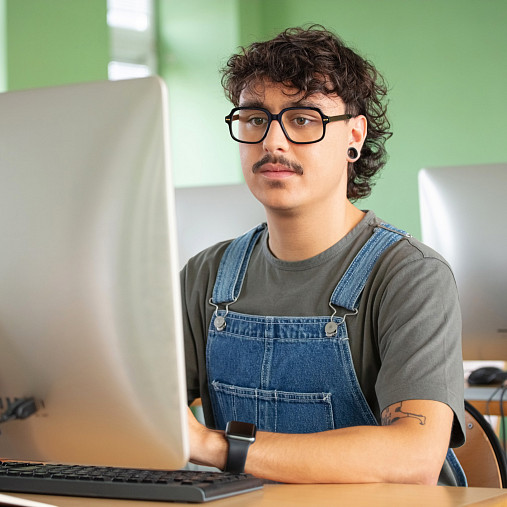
x=301, y=125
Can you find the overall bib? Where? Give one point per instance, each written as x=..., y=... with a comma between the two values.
x=290, y=374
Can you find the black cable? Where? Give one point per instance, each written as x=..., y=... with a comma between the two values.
x=19, y=409
x=490, y=399
x=502, y=415
x=503, y=435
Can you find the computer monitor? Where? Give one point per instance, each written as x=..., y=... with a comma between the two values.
x=90, y=312
x=206, y=215
x=463, y=218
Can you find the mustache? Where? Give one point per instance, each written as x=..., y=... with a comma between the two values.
x=271, y=159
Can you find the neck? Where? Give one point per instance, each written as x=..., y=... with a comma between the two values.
x=296, y=237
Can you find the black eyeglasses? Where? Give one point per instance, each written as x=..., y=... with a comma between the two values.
x=301, y=125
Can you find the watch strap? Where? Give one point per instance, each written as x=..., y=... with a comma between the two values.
x=236, y=457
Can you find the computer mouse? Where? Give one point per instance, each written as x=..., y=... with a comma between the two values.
x=487, y=375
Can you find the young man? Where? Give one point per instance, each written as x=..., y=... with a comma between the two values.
x=335, y=334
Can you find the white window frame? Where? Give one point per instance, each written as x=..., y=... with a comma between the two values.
x=132, y=38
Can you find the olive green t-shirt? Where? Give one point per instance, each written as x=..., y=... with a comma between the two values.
x=405, y=339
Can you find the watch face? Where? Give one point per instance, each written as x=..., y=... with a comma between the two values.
x=241, y=429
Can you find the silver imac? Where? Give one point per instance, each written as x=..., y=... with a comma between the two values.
x=463, y=217
x=90, y=315
x=206, y=215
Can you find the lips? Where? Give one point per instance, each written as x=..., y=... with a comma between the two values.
x=276, y=167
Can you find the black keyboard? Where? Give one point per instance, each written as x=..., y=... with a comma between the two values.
x=123, y=483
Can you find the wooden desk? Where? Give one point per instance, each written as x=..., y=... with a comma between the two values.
x=479, y=396
x=327, y=495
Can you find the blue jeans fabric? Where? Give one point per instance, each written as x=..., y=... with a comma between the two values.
x=287, y=374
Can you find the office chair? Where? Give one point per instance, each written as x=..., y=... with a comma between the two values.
x=482, y=456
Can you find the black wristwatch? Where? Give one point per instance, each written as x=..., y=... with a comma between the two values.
x=240, y=436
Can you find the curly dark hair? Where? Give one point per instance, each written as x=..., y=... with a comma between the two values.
x=314, y=60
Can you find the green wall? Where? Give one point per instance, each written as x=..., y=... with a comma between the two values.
x=3, y=47
x=195, y=39
x=54, y=42
x=445, y=62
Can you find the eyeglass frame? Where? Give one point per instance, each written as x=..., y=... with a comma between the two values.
x=325, y=120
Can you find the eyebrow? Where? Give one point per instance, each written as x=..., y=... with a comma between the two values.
x=308, y=103
x=251, y=103
x=300, y=103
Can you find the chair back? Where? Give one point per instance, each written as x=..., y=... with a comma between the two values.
x=482, y=457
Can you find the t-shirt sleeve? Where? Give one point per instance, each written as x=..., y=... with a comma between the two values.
x=419, y=329
x=191, y=362
x=197, y=279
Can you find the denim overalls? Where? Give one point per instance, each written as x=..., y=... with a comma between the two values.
x=289, y=374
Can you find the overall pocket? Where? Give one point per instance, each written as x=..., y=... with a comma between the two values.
x=276, y=411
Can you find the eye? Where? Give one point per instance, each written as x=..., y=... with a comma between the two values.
x=302, y=118
x=257, y=121
x=301, y=121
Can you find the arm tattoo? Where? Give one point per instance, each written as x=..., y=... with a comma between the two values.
x=393, y=413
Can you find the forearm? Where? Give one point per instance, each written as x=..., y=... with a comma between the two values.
x=350, y=455
x=402, y=452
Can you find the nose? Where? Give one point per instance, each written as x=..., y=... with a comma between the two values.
x=275, y=139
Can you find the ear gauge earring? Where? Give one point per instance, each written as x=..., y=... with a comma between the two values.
x=353, y=154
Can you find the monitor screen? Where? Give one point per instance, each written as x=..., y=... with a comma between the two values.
x=463, y=218
x=90, y=313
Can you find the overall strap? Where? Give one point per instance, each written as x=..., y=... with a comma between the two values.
x=232, y=269
x=348, y=291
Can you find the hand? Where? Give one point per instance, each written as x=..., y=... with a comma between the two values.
x=207, y=447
